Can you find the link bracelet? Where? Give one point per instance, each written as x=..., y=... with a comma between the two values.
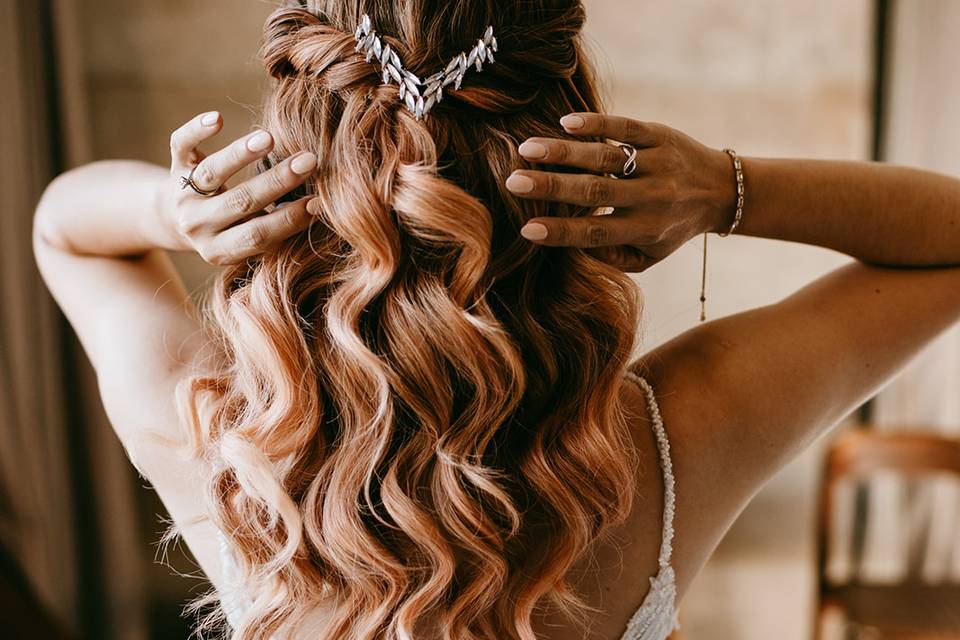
x=741, y=193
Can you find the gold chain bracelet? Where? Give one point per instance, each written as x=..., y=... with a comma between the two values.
x=741, y=194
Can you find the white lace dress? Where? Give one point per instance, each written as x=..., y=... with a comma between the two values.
x=655, y=619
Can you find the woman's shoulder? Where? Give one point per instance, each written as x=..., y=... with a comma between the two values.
x=665, y=390
x=614, y=574
x=741, y=395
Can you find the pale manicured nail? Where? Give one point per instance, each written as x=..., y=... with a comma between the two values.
x=572, y=122
x=519, y=184
x=210, y=119
x=259, y=141
x=532, y=150
x=304, y=163
x=534, y=231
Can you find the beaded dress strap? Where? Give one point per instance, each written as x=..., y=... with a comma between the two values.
x=666, y=465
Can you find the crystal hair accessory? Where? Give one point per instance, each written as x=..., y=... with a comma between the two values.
x=420, y=95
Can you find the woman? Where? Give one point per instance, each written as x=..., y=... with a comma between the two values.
x=407, y=418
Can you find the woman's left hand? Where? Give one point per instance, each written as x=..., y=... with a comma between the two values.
x=681, y=188
x=230, y=225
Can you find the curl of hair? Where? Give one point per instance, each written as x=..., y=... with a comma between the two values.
x=415, y=419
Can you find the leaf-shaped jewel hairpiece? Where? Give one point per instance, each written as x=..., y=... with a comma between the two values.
x=420, y=95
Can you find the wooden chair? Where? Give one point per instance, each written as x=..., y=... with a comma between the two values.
x=909, y=609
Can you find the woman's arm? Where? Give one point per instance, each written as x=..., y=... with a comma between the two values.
x=107, y=208
x=124, y=208
x=874, y=212
x=99, y=235
x=742, y=395
x=100, y=231
x=877, y=213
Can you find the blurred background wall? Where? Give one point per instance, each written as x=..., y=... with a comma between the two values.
x=766, y=78
x=920, y=128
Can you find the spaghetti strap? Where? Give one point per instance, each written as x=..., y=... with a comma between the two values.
x=666, y=465
x=657, y=616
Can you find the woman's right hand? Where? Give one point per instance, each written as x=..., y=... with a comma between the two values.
x=681, y=188
x=232, y=224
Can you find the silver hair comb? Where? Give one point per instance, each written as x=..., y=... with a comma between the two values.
x=420, y=95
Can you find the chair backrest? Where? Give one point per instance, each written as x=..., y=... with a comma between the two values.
x=862, y=454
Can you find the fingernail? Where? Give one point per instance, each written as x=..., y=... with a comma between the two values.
x=210, y=119
x=534, y=231
x=304, y=163
x=519, y=183
x=572, y=122
x=532, y=149
x=259, y=141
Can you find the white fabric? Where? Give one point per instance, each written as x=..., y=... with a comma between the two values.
x=655, y=619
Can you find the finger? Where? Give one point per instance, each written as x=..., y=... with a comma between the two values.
x=256, y=193
x=641, y=134
x=590, y=231
x=185, y=140
x=624, y=257
x=217, y=168
x=573, y=188
x=260, y=234
x=595, y=156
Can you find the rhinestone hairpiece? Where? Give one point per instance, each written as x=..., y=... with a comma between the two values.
x=420, y=95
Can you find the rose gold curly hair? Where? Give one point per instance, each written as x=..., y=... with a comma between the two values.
x=417, y=416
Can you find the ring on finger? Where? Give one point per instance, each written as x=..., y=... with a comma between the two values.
x=631, y=163
x=187, y=181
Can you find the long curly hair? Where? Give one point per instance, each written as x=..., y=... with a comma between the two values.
x=416, y=420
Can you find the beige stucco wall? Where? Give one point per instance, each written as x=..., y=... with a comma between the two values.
x=765, y=78
x=150, y=66
x=921, y=130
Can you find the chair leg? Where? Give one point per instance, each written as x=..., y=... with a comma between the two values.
x=819, y=619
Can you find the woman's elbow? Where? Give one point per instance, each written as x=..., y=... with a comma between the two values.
x=46, y=228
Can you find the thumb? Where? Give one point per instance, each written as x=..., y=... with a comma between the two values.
x=624, y=257
x=589, y=231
